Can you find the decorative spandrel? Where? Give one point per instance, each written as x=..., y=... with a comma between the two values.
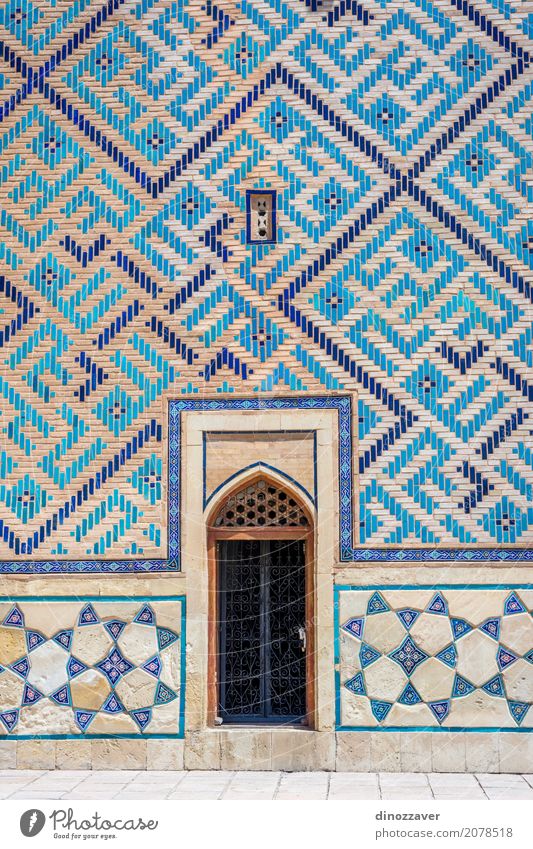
x=261, y=504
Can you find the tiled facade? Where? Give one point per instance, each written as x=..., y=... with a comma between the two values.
x=392, y=288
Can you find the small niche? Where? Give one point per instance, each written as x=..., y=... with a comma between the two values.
x=260, y=217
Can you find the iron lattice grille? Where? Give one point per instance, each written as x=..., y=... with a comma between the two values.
x=261, y=661
x=262, y=505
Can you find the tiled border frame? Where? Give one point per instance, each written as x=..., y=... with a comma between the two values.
x=195, y=544
x=118, y=598
x=348, y=553
x=339, y=588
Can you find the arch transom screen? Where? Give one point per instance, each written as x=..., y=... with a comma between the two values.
x=261, y=504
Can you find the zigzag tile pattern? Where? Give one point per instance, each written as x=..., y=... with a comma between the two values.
x=398, y=138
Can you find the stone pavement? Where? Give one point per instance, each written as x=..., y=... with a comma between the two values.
x=42, y=784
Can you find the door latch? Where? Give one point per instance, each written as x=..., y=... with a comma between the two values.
x=302, y=635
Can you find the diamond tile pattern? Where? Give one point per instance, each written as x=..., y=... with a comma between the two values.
x=115, y=666
x=408, y=655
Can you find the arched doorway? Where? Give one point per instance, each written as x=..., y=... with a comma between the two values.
x=260, y=543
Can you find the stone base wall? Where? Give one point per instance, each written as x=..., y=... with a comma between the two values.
x=283, y=749
x=474, y=633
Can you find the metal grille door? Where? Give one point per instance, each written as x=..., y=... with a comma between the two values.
x=262, y=631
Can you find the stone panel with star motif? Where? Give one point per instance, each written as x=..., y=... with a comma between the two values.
x=447, y=657
x=91, y=666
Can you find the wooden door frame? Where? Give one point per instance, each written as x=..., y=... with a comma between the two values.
x=214, y=535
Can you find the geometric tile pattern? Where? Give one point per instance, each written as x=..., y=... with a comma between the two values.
x=97, y=669
x=438, y=670
x=397, y=137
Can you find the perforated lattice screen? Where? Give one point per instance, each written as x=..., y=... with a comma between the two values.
x=261, y=505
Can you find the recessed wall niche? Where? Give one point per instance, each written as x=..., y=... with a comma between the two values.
x=260, y=217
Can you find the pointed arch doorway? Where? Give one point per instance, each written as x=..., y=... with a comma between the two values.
x=261, y=605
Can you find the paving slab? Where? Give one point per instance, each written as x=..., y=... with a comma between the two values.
x=500, y=779
x=230, y=785
x=411, y=790
x=30, y=793
x=400, y=779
